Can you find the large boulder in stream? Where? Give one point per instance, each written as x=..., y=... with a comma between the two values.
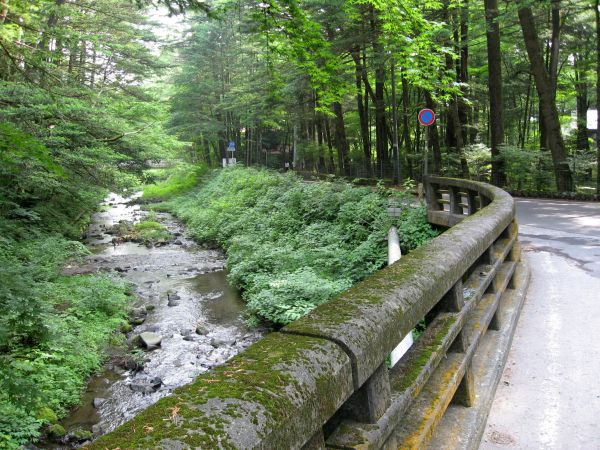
x=147, y=386
x=173, y=299
x=137, y=316
x=150, y=340
x=202, y=329
x=98, y=402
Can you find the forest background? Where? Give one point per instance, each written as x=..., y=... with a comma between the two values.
x=95, y=94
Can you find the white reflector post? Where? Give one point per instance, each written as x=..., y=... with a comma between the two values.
x=394, y=252
x=394, y=255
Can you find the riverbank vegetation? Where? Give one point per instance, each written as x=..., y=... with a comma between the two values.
x=163, y=184
x=75, y=121
x=293, y=245
x=53, y=330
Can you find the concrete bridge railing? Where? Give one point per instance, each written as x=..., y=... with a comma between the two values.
x=323, y=381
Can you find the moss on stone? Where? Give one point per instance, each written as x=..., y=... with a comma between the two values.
x=56, y=431
x=430, y=343
x=47, y=415
x=260, y=387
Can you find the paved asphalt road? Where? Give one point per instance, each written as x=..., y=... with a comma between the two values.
x=549, y=394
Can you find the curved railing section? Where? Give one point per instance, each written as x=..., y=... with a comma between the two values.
x=323, y=381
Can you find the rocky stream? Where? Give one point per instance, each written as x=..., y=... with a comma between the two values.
x=185, y=319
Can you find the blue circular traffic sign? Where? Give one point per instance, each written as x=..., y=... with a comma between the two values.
x=426, y=117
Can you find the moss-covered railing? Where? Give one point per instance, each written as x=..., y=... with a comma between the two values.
x=323, y=381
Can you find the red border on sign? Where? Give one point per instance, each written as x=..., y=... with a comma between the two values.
x=423, y=122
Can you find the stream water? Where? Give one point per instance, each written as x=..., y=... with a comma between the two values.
x=177, y=287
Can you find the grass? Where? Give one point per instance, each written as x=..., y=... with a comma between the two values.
x=176, y=182
x=150, y=232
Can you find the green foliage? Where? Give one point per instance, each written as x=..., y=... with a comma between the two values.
x=479, y=159
x=291, y=295
x=181, y=179
x=528, y=169
x=293, y=245
x=53, y=330
x=149, y=232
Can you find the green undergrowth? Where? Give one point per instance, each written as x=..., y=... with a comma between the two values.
x=53, y=330
x=167, y=183
x=293, y=245
x=150, y=231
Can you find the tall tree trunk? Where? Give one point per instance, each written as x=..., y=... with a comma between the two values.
x=93, y=74
x=341, y=143
x=3, y=10
x=362, y=112
x=543, y=136
x=406, y=125
x=464, y=166
x=495, y=91
x=320, y=140
x=329, y=146
x=552, y=52
x=554, y=46
x=82, y=59
x=454, y=129
x=395, y=149
x=526, y=116
x=581, y=89
x=564, y=180
x=379, y=100
x=464, y=111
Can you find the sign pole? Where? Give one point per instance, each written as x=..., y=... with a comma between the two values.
x=426, y=149
x=230, y=148
x=426, y=118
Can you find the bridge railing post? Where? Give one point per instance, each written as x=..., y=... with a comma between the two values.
x=371, y=400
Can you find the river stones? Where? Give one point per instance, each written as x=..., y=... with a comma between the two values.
x=99, y=429
x=202, y=329
x=173, y=299
x=204, y=349
x=146, y=386
x=137, y=316
x=98, y=402
x=206, y=362
x=79, y=435
x=219, y=341
x=150, y=340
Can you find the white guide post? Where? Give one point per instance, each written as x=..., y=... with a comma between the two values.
x=394, y=254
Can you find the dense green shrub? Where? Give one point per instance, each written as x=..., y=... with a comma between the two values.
x=179, y=180
x=53, y=330
x=293, y=245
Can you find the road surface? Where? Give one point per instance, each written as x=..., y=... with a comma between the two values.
x=549, y=394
